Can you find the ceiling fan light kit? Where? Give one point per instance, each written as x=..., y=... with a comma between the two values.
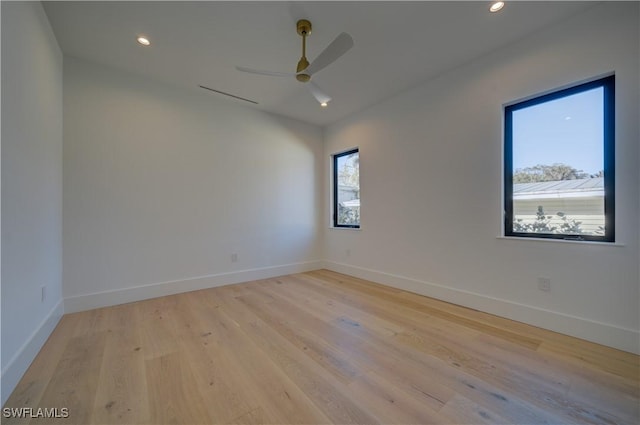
x=304, y=69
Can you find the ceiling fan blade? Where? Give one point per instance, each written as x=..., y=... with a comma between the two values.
x=261, y=72
x=317, y=92
x=337, y=48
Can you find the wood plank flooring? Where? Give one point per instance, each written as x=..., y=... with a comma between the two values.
x=320, y=347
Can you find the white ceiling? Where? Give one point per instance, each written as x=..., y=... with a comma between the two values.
x=397, y=44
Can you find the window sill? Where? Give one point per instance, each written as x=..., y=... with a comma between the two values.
x=345, y=228
x=593, y=243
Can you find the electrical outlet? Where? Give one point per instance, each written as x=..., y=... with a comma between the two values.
x=347, y=252
x=234, y=258
x=43, y=293
x=544, y=284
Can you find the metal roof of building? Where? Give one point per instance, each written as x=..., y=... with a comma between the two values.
x=579, y=187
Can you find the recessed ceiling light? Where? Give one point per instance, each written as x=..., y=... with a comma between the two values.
x=496, y=6
x=144, y=41
x=324, y=104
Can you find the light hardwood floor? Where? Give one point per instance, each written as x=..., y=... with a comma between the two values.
x=321, y=347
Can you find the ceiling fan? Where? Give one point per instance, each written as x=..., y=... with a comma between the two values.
x=306, y=70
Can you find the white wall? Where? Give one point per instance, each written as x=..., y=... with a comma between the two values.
x=31, y=186
x=431, y=167
x=162, y=185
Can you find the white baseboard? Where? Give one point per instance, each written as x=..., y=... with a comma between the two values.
x=21, y=361
x=144, y=292
x=601, y=333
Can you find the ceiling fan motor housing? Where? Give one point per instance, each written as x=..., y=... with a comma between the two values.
x=303, y=63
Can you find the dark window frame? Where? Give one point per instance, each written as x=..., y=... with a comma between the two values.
x=608, y=85
x=335, y=158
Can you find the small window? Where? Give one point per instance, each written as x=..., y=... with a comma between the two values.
x=346, y=189
x=559, y=164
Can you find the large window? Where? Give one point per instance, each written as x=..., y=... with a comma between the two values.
x=346, y=189
x=559, y=164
